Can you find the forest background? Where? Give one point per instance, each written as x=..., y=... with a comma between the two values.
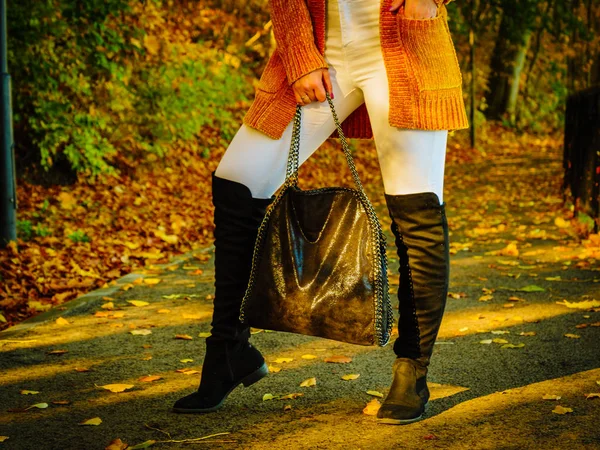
x=122, y=108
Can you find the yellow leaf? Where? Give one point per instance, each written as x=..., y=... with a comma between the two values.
x=93, y=421
x=309, y=382
x=513, y=346
x=109, y=305
x=372, y=407
x=560, y=222
x=592, y=395
x=204, y=334
x=508, y=305
x=152, y=44
x=117, y=387
x=117, y=444
x=26, y=392
x=291, y=396
x=499, y=341
x=486, y=298
x=67, y=201
x=500, y=332
x=268, y=397
x=3, y=320
x=350, y=376
x=3, y=438
x=287, y=407
x=150, y=378
x=38, y=406
x=187, y=371
x=283, y=360
x=186, y=360
x=308, y=356
x=163, y=311
x=338, y=359
x=61, y=321
x=572, y=336
x=274, y=369
x=151, y=281
x=527, y=333
x=138, y=302
x=141, y=332
x=375, y=393
x=186, y=337
x=586, y=304
x=57, y=352
x=486, y=341
x=562, y=410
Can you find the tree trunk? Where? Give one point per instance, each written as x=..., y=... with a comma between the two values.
x=508, y=60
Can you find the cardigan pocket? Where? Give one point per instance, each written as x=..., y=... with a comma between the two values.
x=430, y=51
x=273, y=77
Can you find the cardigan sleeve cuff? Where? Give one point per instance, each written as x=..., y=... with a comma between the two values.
x=301, y=59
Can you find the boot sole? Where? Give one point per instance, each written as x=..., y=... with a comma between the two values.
x=389, y=421
x=249, y=380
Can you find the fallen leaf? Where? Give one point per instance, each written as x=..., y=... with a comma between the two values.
x=61, y=321
x=508, y=305
x=57, y=352
x=592, y=395
x=513, y=346
x=287, y=407
x=486, y=341
x=138, y=302
x=38, y=406
x=500, y=332
x=283, y=360
x=340, y=359
x=562, y=410
x=375, y=393
x=3, y=438
x=527, y=333
x=150, y=378
x=309, y=382
x=109, y=305
x=187, y=371
x=185, y=337
x=372, y=407
x=163, y=311
x=350, y=376
x=195, y=316
x=532, y=288
x=187, y=360
x=308, y=356
x=499, y=341
x=293, y=396
x=92, y=421
x=117, y=387
x=551, y=397
x=582, y=325
x=572, y=336
x=586, y=304
x=26, y=392
x=151, y=281
x=117, y=444
x=204, y=334
x=61, y=402
x=141, y=332
x=513, y=298
x=268, y=397
x=486, y=298
x=274, y=369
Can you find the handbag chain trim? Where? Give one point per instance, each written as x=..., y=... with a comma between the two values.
x=383, y=306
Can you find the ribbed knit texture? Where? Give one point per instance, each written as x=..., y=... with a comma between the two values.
x=424, y=78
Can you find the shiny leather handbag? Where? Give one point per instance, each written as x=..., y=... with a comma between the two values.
x=319, y=266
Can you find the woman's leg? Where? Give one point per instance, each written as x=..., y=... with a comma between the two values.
x=251, y=170
x=412, y=166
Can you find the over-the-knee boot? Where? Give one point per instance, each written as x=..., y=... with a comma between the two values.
x=420, y=227
x=230, y=359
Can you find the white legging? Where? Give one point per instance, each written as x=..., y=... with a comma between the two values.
x=410, y=160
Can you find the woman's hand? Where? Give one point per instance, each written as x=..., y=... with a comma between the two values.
x=416, y=9
x=312, y=87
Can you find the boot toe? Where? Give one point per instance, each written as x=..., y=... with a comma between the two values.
x=196, y=403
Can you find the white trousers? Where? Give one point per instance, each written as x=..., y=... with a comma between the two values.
x=411, y=160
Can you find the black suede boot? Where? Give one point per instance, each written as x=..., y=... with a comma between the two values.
x=230, y=359
x=421, y=229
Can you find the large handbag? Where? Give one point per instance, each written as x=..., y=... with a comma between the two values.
x=319, y=266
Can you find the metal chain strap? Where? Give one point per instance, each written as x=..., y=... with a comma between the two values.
x=383, y=306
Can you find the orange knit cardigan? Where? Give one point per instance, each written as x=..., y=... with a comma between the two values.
x=424, y=78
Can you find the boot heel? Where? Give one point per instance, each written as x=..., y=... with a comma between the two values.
x=258, y=374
